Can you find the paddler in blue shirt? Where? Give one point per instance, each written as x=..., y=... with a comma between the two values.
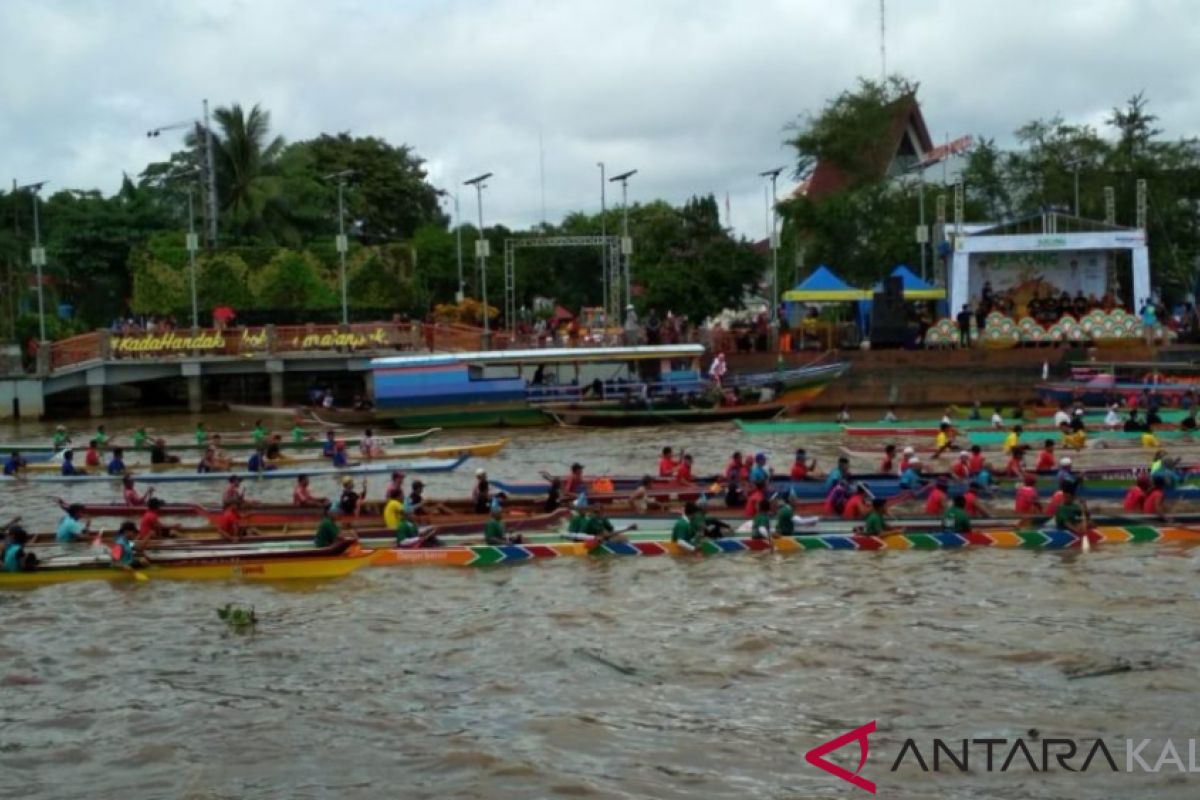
x=329, y=445
x=759, y=472
x=14, y=464
x=839, y=473
x=116, y=465
x=15, y=558
x=71, y=530
x=911, y=479
x=68, y=464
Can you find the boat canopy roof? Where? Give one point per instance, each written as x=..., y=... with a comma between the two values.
x=544, y=355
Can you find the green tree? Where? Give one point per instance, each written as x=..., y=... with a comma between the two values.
x=158, y=288
x=292, y=280
x=382, y=277
x=223, y=279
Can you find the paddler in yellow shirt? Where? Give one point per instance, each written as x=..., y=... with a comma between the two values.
x=1013, y=439
x=1149, y=440
x=944, y=440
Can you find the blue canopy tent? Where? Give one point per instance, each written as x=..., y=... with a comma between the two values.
x=822, y=286
x=915, y=288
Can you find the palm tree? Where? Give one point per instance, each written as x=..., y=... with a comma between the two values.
x=247, y=157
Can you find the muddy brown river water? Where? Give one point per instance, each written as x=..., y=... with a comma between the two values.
x=634, y=678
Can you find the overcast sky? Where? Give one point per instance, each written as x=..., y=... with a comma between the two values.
x=694, y=94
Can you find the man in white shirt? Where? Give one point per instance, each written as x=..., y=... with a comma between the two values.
x=1061, y=417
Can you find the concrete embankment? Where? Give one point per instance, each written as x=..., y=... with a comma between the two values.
x=916, y=378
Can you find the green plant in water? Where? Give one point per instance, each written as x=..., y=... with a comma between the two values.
x=240, y=619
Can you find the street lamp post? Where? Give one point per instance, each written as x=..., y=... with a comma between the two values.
x=193, y=244
x=481, y=251
x=773, y=174
x=626, y=242
x=342, y=243
x=37, y=257
x=603, y=243
x=462, y=289
x=203, y=133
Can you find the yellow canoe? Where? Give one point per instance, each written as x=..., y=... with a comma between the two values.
x=279, y=568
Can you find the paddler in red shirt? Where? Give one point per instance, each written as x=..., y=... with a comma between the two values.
x=962, y=468
x=977, y=459
x=233, y=491
x=132, y=498
x=1135, y=498
x=753, y=499
x=683, y=473
x=887, y=464
x=858, y=505
x=973, y=507
x=150, y=526
x=936, y=502
x=1046, y=461
x=802, y=466
x=1153, y=504
x=668, y=464
x=733, y=470
x=91, y=456
x=1016, y=463
x=1027, y=497
x=905, y=457
x=575, y=484
x=230, y=525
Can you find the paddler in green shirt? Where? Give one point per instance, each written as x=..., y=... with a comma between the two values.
x=139, y=438
x=875, y=523
x=600, y=528
x=201, y=434
x=760, y=526
x=298, y=434
x=101, y=436
x=1069, y=516
x=785, y=520
x=327, y=530
x=684, y=533
x=578, y=523
x=61, y=439
x=259, y=434
x=956, y=519
x=494, y=533
x=406, y=530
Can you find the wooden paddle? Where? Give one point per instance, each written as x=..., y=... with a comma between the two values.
x=599, y=540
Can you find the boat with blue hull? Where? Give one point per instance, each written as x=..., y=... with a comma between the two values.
x=524, y=387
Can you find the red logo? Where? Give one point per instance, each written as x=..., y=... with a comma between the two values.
x=816, y=756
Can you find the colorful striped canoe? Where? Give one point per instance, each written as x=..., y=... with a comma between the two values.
x=1047, y=539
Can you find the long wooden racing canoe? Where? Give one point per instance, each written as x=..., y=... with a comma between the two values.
x=229, y=441
x=336, y=561
x=1045, y=539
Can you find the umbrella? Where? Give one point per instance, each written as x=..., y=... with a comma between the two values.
x=223, y=314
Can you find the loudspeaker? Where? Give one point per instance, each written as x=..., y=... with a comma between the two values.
x=889, y=318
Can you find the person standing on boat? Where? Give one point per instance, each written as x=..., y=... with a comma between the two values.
x=717, y=370
x=150, y=526
x=481, y=495
x=302, y=497
x=14, y=464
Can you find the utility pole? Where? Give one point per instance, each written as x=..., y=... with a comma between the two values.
x=603, y=243
x=481, y=252
x=773, y=174
x=626, y=242
x=343, y=244
x=193, y=244
x=37, y=257
x=212, y=181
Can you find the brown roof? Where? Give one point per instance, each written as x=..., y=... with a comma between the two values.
x=828, y=178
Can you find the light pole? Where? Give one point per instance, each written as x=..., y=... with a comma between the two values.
x=342, y=244
x=481, y=251
x=193, y=244
x=603, y=243
x=205, y=130
x=37, y=256
x=773, y=174
x=462, y=292
x=626, y=242
x=1074, y=165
